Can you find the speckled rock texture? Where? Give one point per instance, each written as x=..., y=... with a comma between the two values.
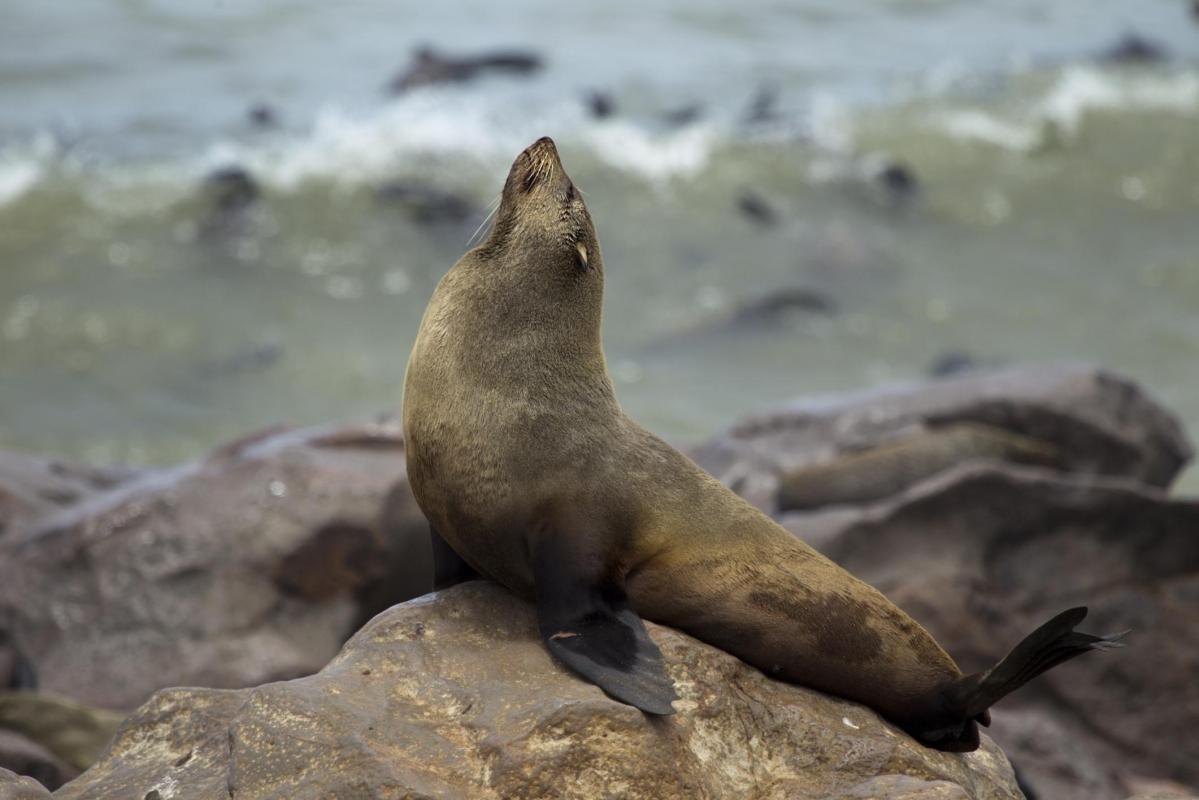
x=252, y=564
x=453, y=696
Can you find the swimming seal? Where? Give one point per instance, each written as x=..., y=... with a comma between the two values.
x=531, y=475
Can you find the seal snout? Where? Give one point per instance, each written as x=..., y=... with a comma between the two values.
x=538, y=162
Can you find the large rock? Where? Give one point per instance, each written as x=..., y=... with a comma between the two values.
x=34, y=486
x=454, y=696
x=865, y=446
x=984, y=553
x=250, y=565
x=28, y=758
x=18, y=787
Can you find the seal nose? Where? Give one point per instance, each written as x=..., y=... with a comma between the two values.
x=542, y=148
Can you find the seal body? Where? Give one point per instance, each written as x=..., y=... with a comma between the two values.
x=528, y=469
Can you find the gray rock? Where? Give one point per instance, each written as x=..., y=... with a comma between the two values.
x=1098, y=422
x=454, y=696
x=982, y=554
x=252, y=564
x=39, y=767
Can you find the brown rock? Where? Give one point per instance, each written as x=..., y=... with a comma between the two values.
x=72, y=732
x=39, y=766
x=1098, y=422
x=984, y=553
x=454, y=696
x=250, y=565
x=33, y=486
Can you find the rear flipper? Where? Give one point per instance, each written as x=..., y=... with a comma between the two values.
x=968, y=698
x=586, y=622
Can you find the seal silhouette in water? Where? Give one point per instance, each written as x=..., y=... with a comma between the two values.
x=531, y=475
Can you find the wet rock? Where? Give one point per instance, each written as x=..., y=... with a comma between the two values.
x=757, y=209
x=231, y=189
x=430, y=67
x=19, y=787
x=957, y=362
x=982, y=554
x=683, y=116
x=768, y=309
x=454, y=696
x=249, y=361
x=763, y=106
x=898, y=180
x=1100, y=424
x=263, y=115
x=1132, y=48
x=600, y=104
x=763, y=314
x=427, y=204
x=251, y=564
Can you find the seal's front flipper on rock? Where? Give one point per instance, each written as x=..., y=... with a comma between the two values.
x=587, y=623
x=448, y=567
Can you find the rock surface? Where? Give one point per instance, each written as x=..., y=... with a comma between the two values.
x=454, y=696
x=18, y=787
x=250, y=565
x=1094, y=421
x=984, y=553
x=26, y=757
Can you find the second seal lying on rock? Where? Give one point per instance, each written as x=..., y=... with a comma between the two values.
x=521, y=458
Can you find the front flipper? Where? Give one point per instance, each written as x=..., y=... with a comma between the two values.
x=586, y=622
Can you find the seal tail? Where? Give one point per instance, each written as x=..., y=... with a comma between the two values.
x=1049, y=645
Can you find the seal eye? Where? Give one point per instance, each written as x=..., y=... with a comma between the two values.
x=581, y=249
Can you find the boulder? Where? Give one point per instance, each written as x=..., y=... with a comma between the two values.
x=252, y=564
x=453, y=695
x=33, y=486
x=1086, y=420
x=18, y=787
x=27, y=758
x=984, y=553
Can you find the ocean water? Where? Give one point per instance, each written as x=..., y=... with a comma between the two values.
x=1046, y=208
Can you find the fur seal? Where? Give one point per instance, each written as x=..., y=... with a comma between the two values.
x=531, y=475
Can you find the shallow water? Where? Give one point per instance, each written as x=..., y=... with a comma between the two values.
x=1054, y=216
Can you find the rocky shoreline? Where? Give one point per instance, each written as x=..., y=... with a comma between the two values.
x=979, y=503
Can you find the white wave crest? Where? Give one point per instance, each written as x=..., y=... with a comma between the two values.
x=1062, y=110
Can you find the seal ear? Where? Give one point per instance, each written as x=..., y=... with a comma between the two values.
x=584, y=260
x=587, y=624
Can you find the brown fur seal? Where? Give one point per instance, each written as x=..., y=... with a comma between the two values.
x=523, y=461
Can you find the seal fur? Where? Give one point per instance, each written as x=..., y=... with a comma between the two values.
x=531, y=475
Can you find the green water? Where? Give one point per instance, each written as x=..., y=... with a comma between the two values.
x=1055, y=219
